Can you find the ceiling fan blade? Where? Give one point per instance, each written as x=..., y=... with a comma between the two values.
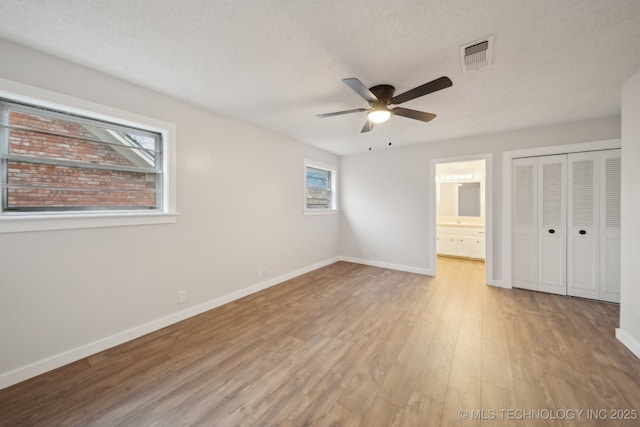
x=413, y=114
x=338, y=113
x=359, y=88
x=427, y=88
x=367, y=126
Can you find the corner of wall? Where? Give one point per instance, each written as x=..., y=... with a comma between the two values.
x=629, y=331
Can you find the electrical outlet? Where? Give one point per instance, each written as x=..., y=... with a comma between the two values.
x=261, y=272
x=375, y=254
x=182, y=297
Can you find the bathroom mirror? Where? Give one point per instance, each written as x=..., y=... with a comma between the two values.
x=469, y=199
x=459, y=199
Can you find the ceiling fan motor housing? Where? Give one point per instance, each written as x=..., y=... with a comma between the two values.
x=384, y=93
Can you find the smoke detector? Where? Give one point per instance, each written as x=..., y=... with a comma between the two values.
x=476, y=55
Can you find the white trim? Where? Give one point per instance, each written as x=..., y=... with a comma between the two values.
x=507, y=157
x=407, y=268
x=22, y=223
x=23, y=373
x=10, y=223
x=320, y=211
x=498, y=284
x=320, y=165
x=488, y=214
x=631, y=343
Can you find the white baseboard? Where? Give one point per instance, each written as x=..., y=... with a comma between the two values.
x=23, y=373
x=499, y=284
x=630, y=342
x=409, y=269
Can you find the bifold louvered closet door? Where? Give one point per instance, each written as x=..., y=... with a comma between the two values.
x=524, y=240
x=566, y=224
x=594, y=225
x=552, y=224
x=539, y=224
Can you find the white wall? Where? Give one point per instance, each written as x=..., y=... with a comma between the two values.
x=386, y=193
x=629, y=331
x=240, y=201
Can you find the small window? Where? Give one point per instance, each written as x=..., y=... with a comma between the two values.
x=320, y=194
x=53, y=161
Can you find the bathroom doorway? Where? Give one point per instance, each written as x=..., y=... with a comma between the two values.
x=461, y=222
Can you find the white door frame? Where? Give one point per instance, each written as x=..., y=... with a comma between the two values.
x=507, y=158
x=488, y=201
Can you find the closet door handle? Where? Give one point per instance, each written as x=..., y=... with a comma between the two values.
x=583, y=232
x=551, y=231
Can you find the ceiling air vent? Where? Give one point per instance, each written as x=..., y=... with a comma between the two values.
x=476, y=55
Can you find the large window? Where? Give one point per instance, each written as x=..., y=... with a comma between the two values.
x=320, y=192
x=53, y=161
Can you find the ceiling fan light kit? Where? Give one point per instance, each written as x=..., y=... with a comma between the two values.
x=379, y=114
x=381, y=96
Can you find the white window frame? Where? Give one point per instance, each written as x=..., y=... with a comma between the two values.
x=11, y=222
x=334, y=188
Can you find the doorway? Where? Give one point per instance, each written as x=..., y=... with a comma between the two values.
x=461, y=210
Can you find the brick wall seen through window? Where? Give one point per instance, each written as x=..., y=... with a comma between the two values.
x=57, y=162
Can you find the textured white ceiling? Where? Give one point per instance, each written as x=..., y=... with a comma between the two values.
x=278, y=63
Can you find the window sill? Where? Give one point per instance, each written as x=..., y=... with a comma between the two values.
x=320, y=211
x=16, y=223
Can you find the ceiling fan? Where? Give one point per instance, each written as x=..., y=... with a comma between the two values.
x=381, y=96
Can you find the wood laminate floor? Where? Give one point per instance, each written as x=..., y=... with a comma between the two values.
x=352, y=345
